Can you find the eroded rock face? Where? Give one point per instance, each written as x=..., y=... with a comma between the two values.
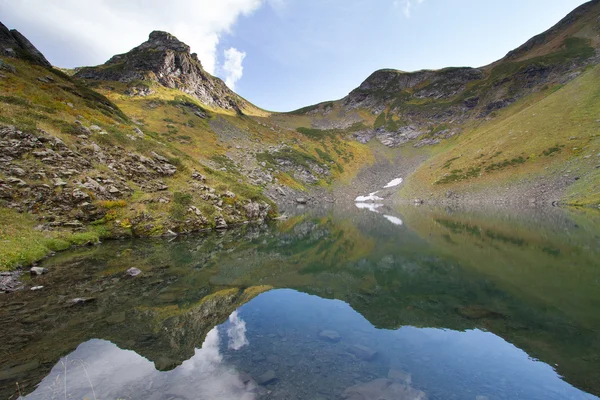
x=14, y=44
x=166, y=60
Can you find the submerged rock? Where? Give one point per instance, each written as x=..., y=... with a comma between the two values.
x=383, y=389
x=400, y=376
x=363, y=352
x=133, y=272
x=267, y=377
x=330, y=335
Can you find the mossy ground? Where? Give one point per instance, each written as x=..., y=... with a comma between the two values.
x=21, y=244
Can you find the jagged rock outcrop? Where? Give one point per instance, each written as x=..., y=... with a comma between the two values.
x=166, y=60
x=14, y=44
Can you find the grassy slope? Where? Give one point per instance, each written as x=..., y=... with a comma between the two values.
x=544, y=135
x=172, y=129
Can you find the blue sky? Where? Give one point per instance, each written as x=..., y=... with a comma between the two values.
x=286, y=54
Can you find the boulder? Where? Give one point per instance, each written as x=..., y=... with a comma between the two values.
x=38, y=271
x=58, y=182
x=220, y=222
x=400, y=376
x=133, y=272
x=330, y=335
x=266, y=378
x=363, y=352
x=82, y=300
x=383, y=389
x=198, y=176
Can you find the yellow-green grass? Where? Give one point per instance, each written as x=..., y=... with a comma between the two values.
x=543, y=135
x=22, y=245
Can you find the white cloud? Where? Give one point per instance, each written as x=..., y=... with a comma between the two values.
x=237, y=332
x=407, y=6
x=98, y=30
x=232, y=66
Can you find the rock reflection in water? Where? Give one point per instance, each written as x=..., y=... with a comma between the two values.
x=501, y=288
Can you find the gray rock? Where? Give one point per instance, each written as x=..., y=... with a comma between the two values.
x=220, y=222
x=82, y=300
x=382, y=389
x=266, y=378
x=198, y=176
x=280, y=191
x=134, y=271
x=16, y=181
x=35, y=288
x=58, y=182
x=138, y=132
x=330, y=335
x=301, y=200
x=363, y=352
x=38, y=271
x=18, y=171
x=195, y=210
x=400, y=376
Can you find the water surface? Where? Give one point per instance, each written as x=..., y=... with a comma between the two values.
x=344, y=304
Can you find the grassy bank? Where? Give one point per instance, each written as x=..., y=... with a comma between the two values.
x=21, y=244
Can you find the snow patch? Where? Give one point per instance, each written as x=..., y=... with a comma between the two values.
x=371, y=197
x=393, y=220
x=393, y=183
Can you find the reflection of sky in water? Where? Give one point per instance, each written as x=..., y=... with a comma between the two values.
x=279, y=331
x=99, y=369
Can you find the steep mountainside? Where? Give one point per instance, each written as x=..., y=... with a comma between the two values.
x=13, y=44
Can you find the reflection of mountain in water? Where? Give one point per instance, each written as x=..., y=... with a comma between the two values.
x=533, y=284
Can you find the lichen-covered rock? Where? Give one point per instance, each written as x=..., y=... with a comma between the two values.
x=257, y=211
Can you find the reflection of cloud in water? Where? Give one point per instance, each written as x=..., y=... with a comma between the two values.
x=236, y=332
x=117, y=373
x=393, y=220
x=368, y=206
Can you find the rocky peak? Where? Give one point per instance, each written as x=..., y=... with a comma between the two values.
x=14, y=44
x=166, y=60
x=160, y=40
